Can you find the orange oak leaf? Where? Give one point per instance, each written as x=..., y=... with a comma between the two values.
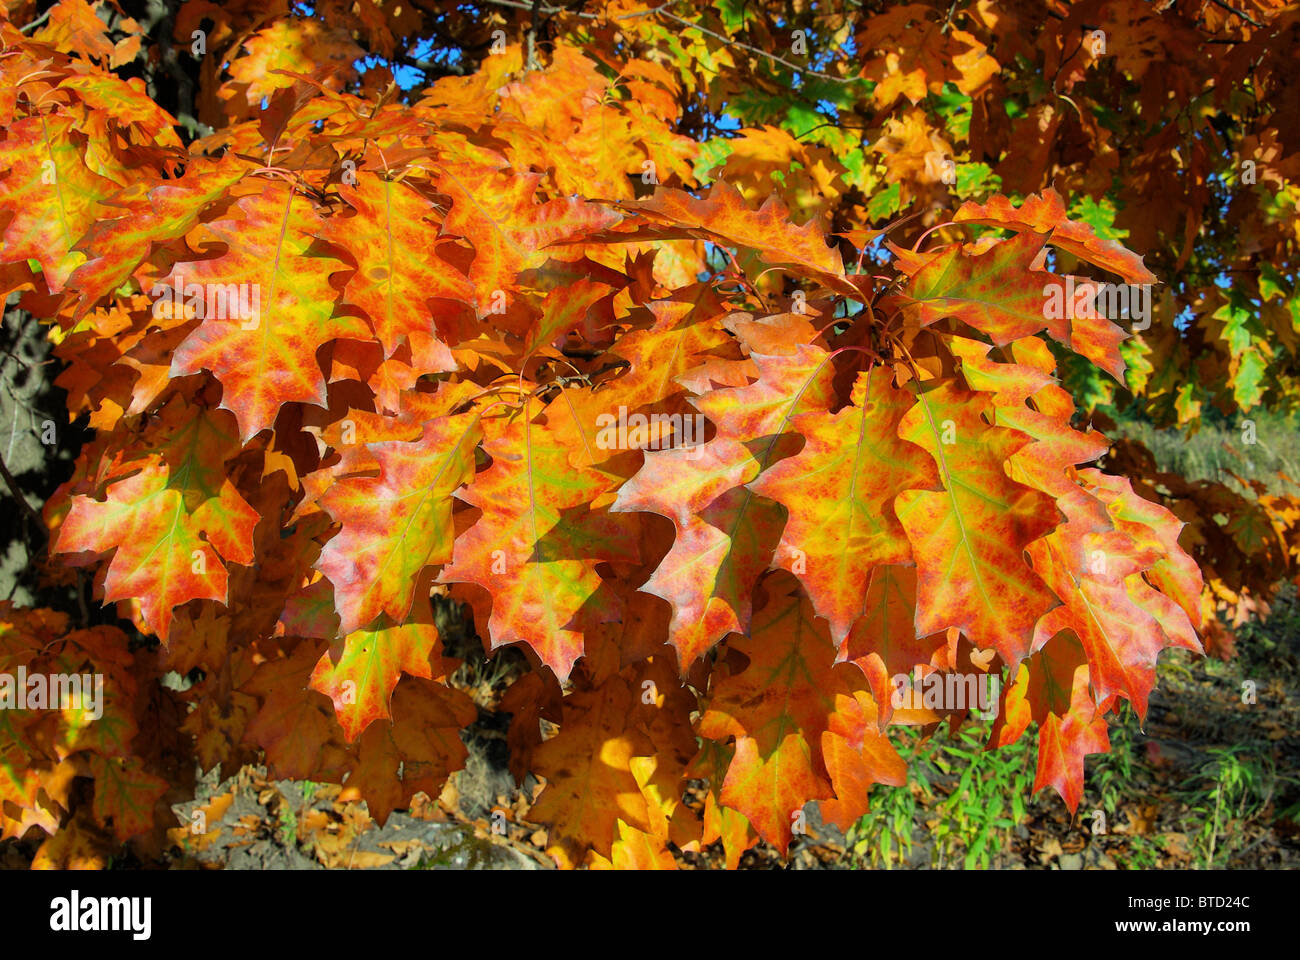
x=726, y=534
x=78, y=845
x=395, y=248
x=721, y=214
x=720, y=824
x=398, y=523
x=788, y=385
x=73, y=26
x=293, y=723
x=170, y=523
x=498, y=212
x=857, y=755
x=301, y=46
x=359, y=672
x=635, y=850
x=1097, y=571
x=643, y=849
x=149, y=214
x=1149, y=524
x=921, y=52
x=658, y=356
x=49, y=197
x=1051, y=687
x=267, y=306
x=1027, y=399
x=587, y=765
x=564, y=309
x=777, y=708
x=969, y=540
x=417, y=751
x=839, y=491
x=537, y=543
x=31, y=795
x=1063, y=742
x=997, y=292
x=725, y=537
x=883, y=641
x=1045, y=213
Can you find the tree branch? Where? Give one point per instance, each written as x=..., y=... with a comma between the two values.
x=19, y=496
x=37, y=22
x=755, y=50
x=530, y=58
x=662, y=10
x=1245, y=16
x=428, y=67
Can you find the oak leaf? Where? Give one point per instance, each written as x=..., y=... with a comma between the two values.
x=777, y=708
x=264, y=352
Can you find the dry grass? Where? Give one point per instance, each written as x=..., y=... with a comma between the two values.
x=1215, y=451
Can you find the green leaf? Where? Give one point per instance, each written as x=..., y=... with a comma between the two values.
x=885, y=203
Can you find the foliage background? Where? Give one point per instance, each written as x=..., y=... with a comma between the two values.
x=1148, y=137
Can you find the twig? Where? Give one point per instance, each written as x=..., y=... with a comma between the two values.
x=1245, y=16
x=830, y=123
x=81, y=597
x=550, y=10
x=644, y=13
x=1241, y=855
x=530, y=59
x=947, y=20
x=762, y=53
x=428, y=66
x=38, y=21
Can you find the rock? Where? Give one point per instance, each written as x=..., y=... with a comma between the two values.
x=485, y=775
x=443, y=846
x=1094, y=856
x=824, y=832
x=1071, y=861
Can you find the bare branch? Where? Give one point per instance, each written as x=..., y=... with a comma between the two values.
x=37, y=22
x=662, y=10
x=755, y=50
x=1245, y=16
